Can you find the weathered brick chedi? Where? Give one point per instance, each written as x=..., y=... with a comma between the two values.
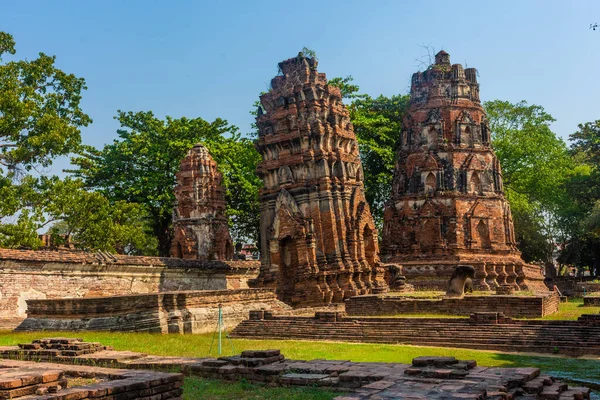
x=199, y=219
x=448, y=205
x=318, y=240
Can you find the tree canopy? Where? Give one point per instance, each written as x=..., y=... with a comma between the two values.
x=377, y=125
x=140, y=168
x=535, y=165
x=40, y=114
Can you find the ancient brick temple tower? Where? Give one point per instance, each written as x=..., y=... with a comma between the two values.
x=318, y=240
x=199, y=219
x=448, y=206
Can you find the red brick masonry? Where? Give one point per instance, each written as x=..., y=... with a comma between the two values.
x=28, y=274
x=169, y=312
x=433, y=378
x=447, y=205
x=45, y=381
x=319, y=243
x=486, y=331
x=511, y=306
x=199, y=220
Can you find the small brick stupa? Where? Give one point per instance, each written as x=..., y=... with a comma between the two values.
x=199, y=221
x=448, y=205
x=318, y=240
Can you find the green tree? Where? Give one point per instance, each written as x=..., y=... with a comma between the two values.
x=85, y=219
x=40, y=115
x=89, y=221
x=20, y=219
x=535, y=166
x=583, y=248
x=377, y=124
x=140, y=168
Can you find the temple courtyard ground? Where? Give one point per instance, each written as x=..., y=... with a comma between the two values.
x=586, y=369
x=577, y=369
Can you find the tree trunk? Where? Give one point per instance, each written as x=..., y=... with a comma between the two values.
x=596, y=267
x=163, y=232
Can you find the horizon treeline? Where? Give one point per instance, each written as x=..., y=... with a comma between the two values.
x=119, y=198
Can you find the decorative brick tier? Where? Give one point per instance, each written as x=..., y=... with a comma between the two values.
x=318, y=239
x=512, y=306
x=432, y=378
x=199, y=220
x=28, y=274
x=170, y=312
x=485, y=331
x=447, y=205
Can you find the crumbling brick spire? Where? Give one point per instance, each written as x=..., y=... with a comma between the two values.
x=447, y=205
x=318, y=240
x=199, y=219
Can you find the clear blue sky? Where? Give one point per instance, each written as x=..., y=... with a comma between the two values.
x=211, y=59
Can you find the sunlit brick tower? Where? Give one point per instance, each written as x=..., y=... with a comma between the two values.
x=199, y=220
x=448, y=205
x=318, y=240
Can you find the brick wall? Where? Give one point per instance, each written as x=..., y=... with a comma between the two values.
x=171, y=312
x=28, y=275
x=485, y=331
x=513, y=306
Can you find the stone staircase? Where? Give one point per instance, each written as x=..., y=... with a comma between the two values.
x=574, y=338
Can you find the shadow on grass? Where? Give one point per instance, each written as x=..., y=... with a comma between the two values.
x=561, y=367
x=208, y=389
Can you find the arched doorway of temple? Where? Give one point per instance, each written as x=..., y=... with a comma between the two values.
x=287, y=268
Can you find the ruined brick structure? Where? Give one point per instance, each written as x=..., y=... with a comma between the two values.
x=199, y=220
x=448, y=205
x=318, y=240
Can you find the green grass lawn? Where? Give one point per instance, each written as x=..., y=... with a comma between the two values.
x=208, y=389
x=572, y=310
x=198, y=346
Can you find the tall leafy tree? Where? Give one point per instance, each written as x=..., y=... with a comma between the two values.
x=583, y=250
x=40, y=114
x=20, y=219
x=535, y=166
x=84, y=219
x=377, y=124
x=140, y=168
x=89, y=221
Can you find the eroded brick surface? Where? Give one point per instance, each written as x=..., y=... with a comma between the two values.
x=199, y=220
x=31, y=274
x=35, y=380
x=168, y=312
x=427, y=377
x=482, y=330
x=319, y=243
x=448, y=205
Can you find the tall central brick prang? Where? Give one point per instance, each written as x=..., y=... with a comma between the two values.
x=318, y=240
x=448, y=205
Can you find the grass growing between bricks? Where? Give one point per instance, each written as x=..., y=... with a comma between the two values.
x=198, y=346
x=572, y=310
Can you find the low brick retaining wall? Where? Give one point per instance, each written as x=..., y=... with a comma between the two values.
x=512, y=306
x=170, y=312
x=591, y=301
x=486, y=331
x=51, y=381
x=28, y=274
